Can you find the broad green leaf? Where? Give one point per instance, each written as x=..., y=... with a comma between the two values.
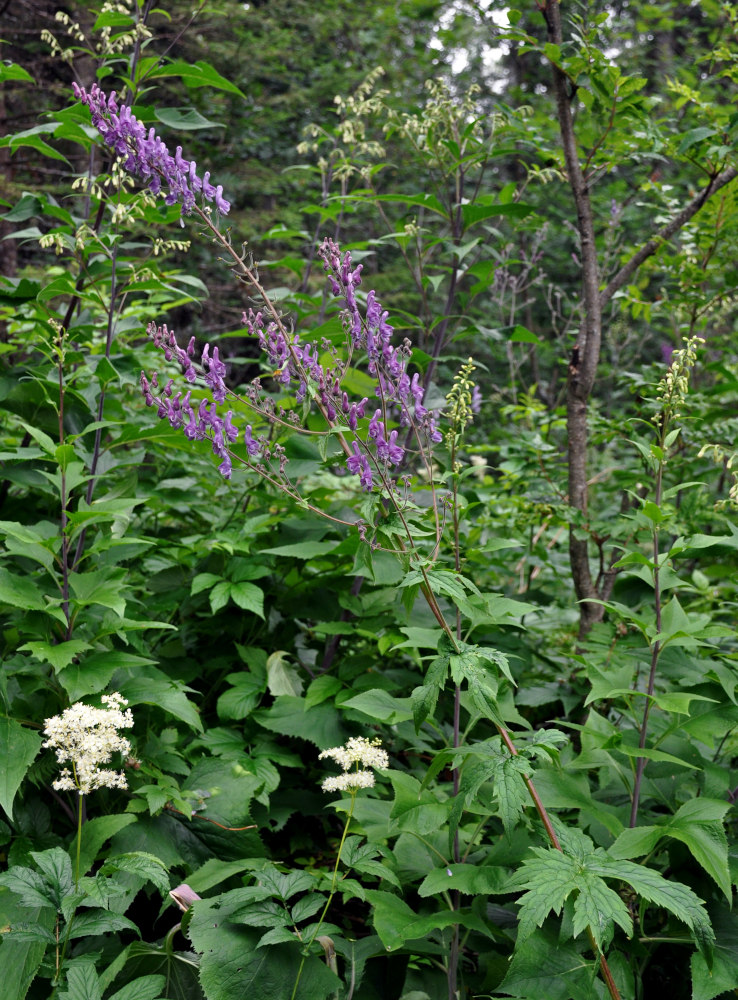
x=199, y=74
x=30, y=888
x=12, y=71
x=187, y=119
x=143, y=988
x=381, y=706
x=673, y=896
x=18, y=749
x=248, y=596
x=708, y=983
x=141, y=864
x=395, y=922
x=89, y=923
x=21, y=957
x=99, y=587
x=233, y=967
x=155, y=688
x=82, y=982
x=56, y=867
x=474, y=880
x=96, y=832
x=239, y=701
x=281, y=677
x=552, y=969
x=59, y=656
x=20, y=592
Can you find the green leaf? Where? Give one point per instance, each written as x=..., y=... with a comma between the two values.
x=59, y=656
x=20, y=957
x=199, y=74
x=708, y=983
x=18, y=749
x=396, y=923
x=92, y=922
x=281, y=677
x=31, y=889
x=548, y=968
x=695, y=135
x=155, y=688
x=56, y=867
x=143, y=988
x=673, y=896
x=12, y=71
x=187, y=119
x=302, y=550
x=141, y=864
x=233, y=967
x=239, y=701
x=101, y=586
x=82, y=982
x=95, y=833
x=20, y=592
x=248, y=596
x=381, y=706
x=474, y=880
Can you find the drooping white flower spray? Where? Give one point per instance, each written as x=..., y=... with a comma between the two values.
x=87, y=737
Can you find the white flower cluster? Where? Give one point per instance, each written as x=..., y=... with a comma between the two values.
x=357, y=750
x=88, y=737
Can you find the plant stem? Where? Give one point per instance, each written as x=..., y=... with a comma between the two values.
x=331, y=894
x=655, y=649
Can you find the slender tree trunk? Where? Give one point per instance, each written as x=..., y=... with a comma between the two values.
x=585, y=355
x=586, y=352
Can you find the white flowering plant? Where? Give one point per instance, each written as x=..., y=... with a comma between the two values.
x=86, y=737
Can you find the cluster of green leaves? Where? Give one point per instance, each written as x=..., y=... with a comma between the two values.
x=248, y=634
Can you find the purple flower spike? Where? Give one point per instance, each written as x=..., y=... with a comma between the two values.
x=145, y=154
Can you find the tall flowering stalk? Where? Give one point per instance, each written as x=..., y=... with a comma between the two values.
x=86, y=737
x=358, y=758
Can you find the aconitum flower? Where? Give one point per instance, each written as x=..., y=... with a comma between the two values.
x=144, y=154
x=87, y=737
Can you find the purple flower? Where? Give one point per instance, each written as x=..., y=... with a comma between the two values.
x=145, y=154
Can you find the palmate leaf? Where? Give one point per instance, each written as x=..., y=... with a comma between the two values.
x=673, y=896
x=551, y=877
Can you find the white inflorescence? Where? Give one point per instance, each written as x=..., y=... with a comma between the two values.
x=357, y=750
x=87, y=737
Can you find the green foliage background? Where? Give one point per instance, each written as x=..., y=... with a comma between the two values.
x=249, y=633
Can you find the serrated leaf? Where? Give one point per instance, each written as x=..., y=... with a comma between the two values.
x=59, y=656
x=143, y=988
x=29, y=886
x=18, y=749
x=92, y=922
x=82, y=982
x=56, y=867
x=139, y=863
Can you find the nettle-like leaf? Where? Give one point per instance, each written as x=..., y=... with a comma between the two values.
x=141, y=864
x=551, y=876
x=699, y=825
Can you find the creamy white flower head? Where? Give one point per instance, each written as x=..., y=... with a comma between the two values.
x=357, y=750
x=87, y=737
x=349, y=782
